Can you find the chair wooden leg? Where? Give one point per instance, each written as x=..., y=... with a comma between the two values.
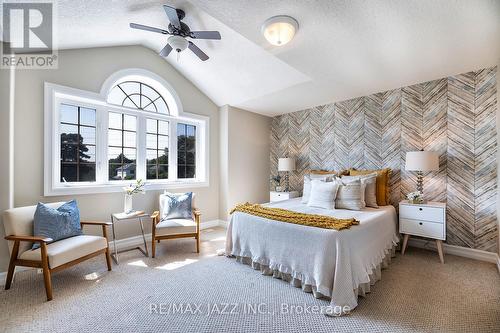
x=158, y=241
x=153, y=248
x=12, y=266
x=108, y=256
x=46, y=272
x=198, y=243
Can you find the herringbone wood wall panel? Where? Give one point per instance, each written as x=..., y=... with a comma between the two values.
x=454, y=116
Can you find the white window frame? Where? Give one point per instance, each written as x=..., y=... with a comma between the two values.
x=55, y=95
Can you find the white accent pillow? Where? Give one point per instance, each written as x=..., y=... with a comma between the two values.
x=370, y=182
x=350, y=195
x=322, y=194
x=306, y=189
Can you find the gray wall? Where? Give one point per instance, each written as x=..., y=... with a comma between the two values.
x=87, y=69
x=454, y=116
x=244, y=158
x=5, y=151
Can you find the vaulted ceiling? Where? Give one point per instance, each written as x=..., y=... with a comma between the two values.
x=343, y=49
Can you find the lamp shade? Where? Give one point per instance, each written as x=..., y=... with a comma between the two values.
x=422, y=161
x=286, y=164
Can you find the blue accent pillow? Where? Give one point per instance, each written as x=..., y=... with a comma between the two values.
x=60, y=223
x=177, y=206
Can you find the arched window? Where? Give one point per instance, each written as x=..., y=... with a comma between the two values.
x=134, y=129
x=138, y=95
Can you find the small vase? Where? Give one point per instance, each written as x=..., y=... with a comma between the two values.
x=127, y=204
x=417, y=201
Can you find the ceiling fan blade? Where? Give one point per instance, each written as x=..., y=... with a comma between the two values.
x=172, y=16
x=205, y=35
x=145, y=27
x=166, y=50
x=197, y=51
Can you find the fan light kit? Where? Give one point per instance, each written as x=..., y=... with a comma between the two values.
x=279, y=30
x=178, y=43
x=178, y=32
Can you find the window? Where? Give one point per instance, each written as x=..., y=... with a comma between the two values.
x=157, y=149
x=186, y=151
x=121, y=146
x=133, y=129
x=139, y=96
x=77, y=149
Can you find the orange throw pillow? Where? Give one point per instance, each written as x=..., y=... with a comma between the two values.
x=383, y=195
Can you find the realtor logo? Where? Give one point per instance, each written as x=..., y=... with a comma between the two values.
x=28, y=32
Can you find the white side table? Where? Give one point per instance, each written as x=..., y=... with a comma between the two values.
x=281, y=196
x=425, y=220
x=116, y=217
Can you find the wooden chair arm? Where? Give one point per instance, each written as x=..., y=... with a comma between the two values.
x=94, y=223
x=197, y=215
x=101, y=223
x=155, y=216
x=32, y=239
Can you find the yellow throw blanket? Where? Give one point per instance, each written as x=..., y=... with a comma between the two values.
x=284, y=215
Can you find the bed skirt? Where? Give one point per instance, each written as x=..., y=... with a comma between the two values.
x=308, y=285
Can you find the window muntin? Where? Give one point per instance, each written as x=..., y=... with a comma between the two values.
x=157, y=148
x=186, y=151
x=77, y=128
x=122, y=146
x=138, y=95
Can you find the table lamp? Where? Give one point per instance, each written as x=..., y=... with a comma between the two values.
x=421, y=161
x=286, y=164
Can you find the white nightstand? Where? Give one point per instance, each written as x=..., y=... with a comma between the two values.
x=425, y=220
x=280, y=196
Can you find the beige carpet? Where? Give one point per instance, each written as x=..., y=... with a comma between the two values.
x=416, y=294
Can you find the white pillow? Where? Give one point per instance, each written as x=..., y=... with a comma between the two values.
x=322, y=194
x=350, y=195
x=306, y=190
x=370, y=182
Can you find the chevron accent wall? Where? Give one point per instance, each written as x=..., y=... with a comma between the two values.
x=454, y=116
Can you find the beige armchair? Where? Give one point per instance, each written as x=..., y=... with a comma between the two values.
x=175, y=228
x=50, y=257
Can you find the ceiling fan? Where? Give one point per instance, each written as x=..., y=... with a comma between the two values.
x=178, y=32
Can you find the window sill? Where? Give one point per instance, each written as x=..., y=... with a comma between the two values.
x=115, y=188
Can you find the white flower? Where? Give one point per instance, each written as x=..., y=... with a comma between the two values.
x=138, y=187
x=414, y=195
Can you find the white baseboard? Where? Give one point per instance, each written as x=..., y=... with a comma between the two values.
x=129, y=242
x=121, y=244
x=457, y=250
x=210, y=224
x=223, y=223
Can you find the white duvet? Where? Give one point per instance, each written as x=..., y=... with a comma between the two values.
x=327, y=262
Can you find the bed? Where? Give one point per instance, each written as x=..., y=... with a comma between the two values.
x=337, y=265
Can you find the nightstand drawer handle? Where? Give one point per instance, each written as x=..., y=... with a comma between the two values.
x=420, y=223
x=420, y=209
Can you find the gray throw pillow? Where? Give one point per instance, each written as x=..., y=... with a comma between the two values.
x=176, y=206
x=350, y=195
x=370, y=182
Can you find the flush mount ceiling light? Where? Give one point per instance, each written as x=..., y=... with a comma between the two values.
x=279, y=30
